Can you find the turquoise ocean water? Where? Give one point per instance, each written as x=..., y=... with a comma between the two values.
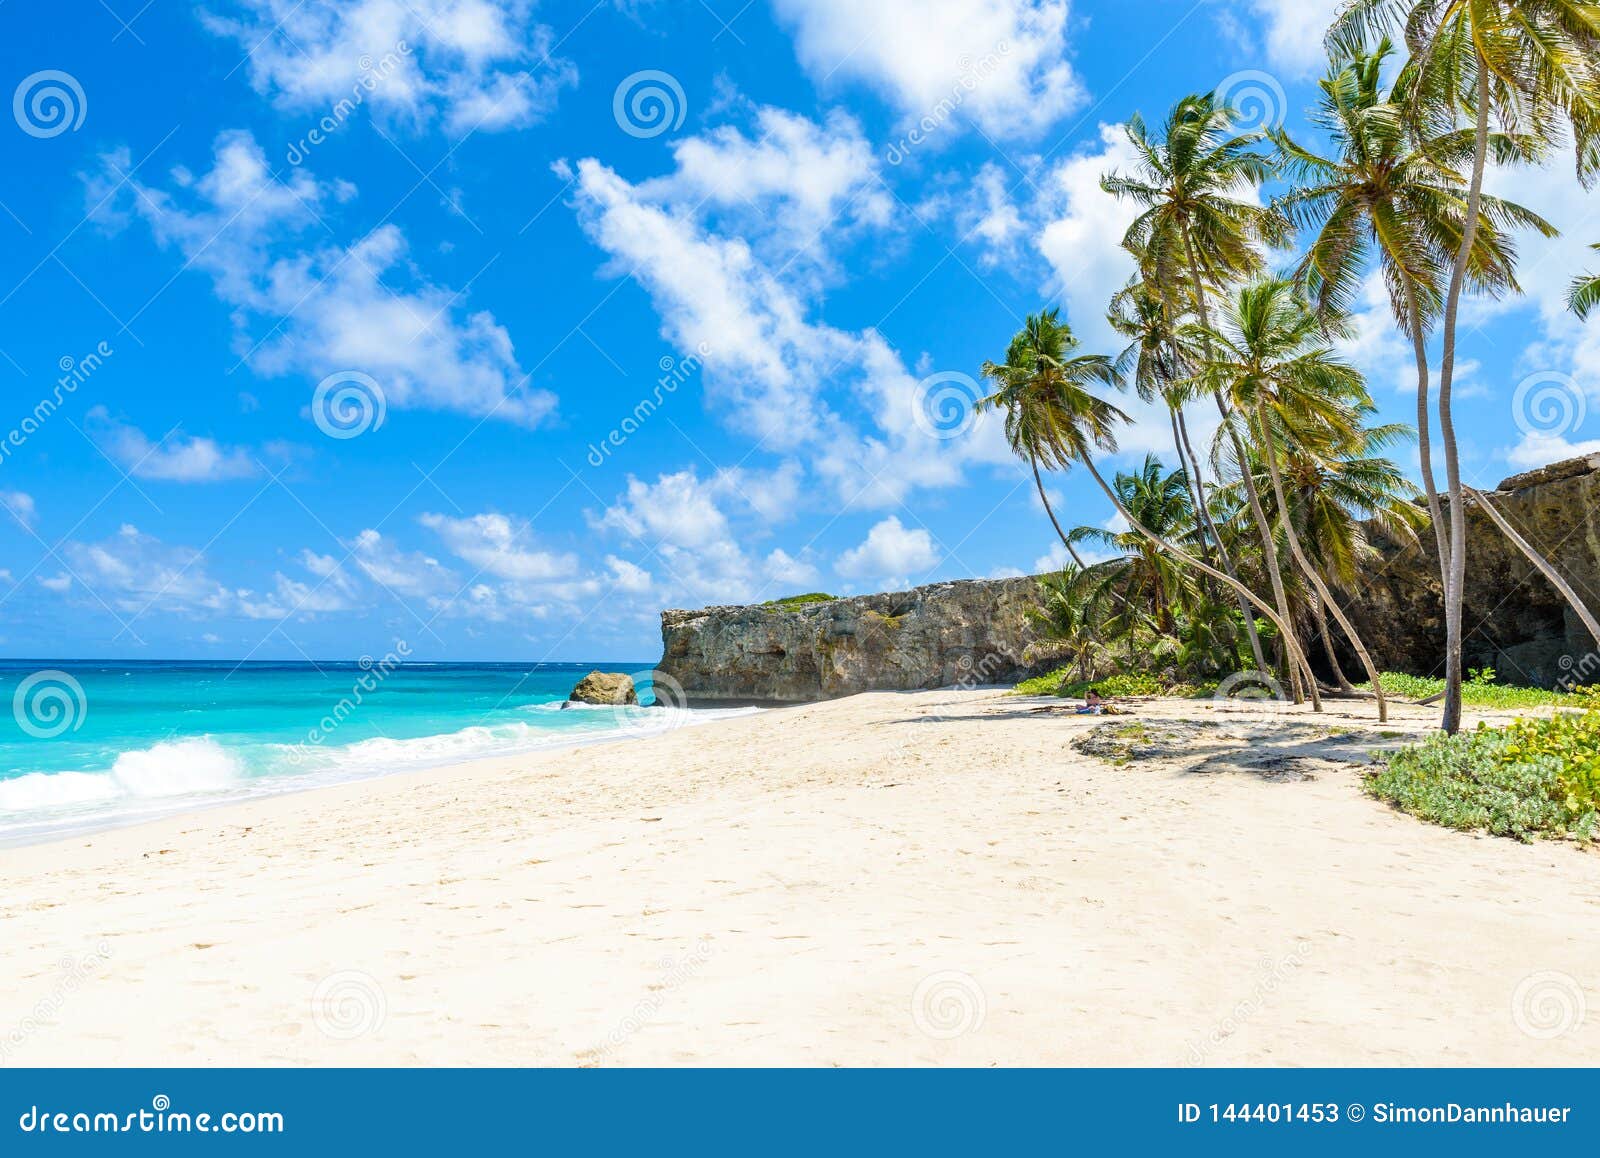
x=91, y=745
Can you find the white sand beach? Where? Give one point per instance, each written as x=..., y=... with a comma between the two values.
x=892, y=879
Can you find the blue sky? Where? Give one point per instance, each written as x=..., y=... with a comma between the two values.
x=498, y=326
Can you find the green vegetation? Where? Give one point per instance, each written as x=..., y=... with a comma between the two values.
x=1244, y=558
x=1061, y=683
x=1534, y=777
x=790, y=601
x=1479, y=690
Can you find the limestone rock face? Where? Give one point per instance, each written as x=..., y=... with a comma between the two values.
x=970, y=632
x=977, y=632
x=1514, y=620
x=604, y=687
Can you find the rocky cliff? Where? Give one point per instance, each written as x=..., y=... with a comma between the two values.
x=977, y=632
x=972, y=631
x=1515, y=621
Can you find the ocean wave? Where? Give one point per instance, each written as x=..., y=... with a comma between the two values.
x=171, y=768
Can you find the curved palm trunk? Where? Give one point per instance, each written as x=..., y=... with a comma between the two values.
x=1323, y=595
x=1456, y=568
x=1269, y=548
x=1186, y=453
x=1269, y=545
x=1297, y=661
x=1327, y=648
x=1419, y=347
x=1538, y=561
x=1043, y=498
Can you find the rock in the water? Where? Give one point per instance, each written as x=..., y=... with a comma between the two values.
x=605, y=687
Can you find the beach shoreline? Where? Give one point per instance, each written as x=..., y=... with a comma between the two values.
x=929, y=878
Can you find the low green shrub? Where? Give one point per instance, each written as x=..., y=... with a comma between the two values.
x=799, y=600
x=1479, y=690
x=1059, y=683
x=1533, y=777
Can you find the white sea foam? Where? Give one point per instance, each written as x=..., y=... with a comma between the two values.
x=172, y=768
x=177, y=775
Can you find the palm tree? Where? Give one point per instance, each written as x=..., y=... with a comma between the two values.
x=1584, y=293
x=1052, y=416
x=1385, y=192
x=1029, y=428
x=1142, y=572
x=1335, y=493
x=1197, y=227
x=1157, y=364
x=1532, y=63
x=1071, y=621
x=1271, y=358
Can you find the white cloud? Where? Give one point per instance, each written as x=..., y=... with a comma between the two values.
x=57, y=583
x=478, y=64
x=498, y=546
x=1000, y=63
x=401, y=572
x=174, y=458
x=323, y=309
x=695, y=532
x=19, y=506
x=783, y=190
x=1080, y=234
x=792, y=382
x=1293, y=31
x=890, y=554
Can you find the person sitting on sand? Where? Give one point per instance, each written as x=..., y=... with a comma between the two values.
x=1093, y=705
